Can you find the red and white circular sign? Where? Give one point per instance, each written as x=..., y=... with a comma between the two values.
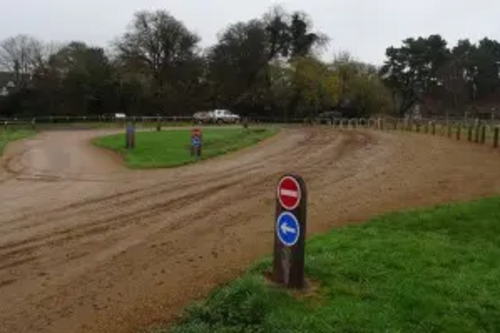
x=289, y=194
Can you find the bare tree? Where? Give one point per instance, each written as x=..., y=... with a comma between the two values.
x=21, y=55
x=165, y=52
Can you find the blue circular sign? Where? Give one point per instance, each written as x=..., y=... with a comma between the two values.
x=288, y=229
x=196, y=141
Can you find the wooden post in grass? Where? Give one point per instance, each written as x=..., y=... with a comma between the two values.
x=448, y=130
x=158, y=124
x=433, y=128
x=130, y=136
x=495, y=138
x=459, y=128
x=418, y=127
x=483, y=134
x=476, y=137
x=469, y=133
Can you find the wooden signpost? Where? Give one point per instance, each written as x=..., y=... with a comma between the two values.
x=196, y=142
x=290, y=232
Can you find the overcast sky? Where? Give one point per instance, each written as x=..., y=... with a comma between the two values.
x=363, y=27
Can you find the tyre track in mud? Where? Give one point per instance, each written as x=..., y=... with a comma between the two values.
x=129, y=251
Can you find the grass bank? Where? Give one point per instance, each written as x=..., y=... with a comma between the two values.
x=172, y=148
x=435, y=270
x=12, y=135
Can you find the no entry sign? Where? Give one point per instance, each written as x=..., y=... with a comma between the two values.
x=289, y=193
x=195, y=132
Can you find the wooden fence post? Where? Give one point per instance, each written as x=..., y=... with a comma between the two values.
x=495, y=138
x=448, y=130
x=476, y=137
x=433, y=128
x=483, y=134
x=469, y=133
x=459, y=128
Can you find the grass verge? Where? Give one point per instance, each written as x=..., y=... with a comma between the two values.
x=435, y=270
x=12, y=135
x=172, y=148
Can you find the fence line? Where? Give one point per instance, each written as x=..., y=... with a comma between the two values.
x=477, y=131
x=472, y=130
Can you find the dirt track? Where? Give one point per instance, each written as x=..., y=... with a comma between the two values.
x=87, y=246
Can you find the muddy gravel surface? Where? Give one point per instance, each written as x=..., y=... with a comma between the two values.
x=88, y=246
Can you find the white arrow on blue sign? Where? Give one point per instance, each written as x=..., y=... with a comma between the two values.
x=196, y=142
x=288, y=229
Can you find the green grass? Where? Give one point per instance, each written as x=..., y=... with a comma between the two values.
x=435, y=270
x=172, y=148
x=12, y=135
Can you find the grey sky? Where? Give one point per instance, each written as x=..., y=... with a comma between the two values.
x=363, y=27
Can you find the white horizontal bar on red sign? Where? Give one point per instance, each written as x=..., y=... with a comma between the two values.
x=289, y=193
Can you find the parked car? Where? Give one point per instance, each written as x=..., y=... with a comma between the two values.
x=216, y=117
x=113, y=116
x=328, y=117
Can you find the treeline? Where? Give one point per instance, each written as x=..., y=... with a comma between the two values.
x=268, y=66
x=445, y=80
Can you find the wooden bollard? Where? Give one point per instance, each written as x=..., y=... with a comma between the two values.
x=476, y=138
x=433, y=128
x=469, y=134
x=459, y=128
x=426, y=128
x=418, y=127
x=495, y=138
x=483, y=135
x=448, y=130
